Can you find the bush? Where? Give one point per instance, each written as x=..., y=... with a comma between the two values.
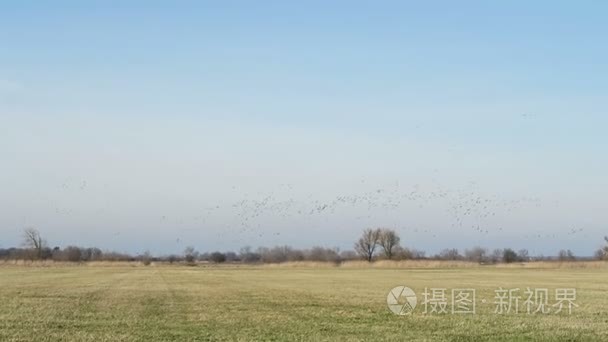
x=172, y=258
x=509, y=256
x=146, y=258
x=599, y=254
x=190, y=254
x=566, y=255
x=217, y=257
x=280, y=254
x=348, y=255
x=476, y=254
x=246, y=255
x=449, y=254
x=523, y=255
x=322, y=254
x=72, y=253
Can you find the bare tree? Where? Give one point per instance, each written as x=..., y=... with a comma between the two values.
x=565, y=255
x=602, y=252
x=366, y=246
x=322, y=254
x=279, y=254
x=72, y=253
x=33, y=241
x=496, y=255
x=146, y=258
x=605, y=249
x=523, y=255
x=509, y=256
x=217, y=257
x=389, y=241
x=247, y=255
x=476, y=254
x=449, y=254
x=348, y=255
x=190, y=254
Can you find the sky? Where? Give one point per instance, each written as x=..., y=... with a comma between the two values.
x=156, y=125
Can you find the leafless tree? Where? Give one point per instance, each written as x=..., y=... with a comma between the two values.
x=231, y=256
x=247, y=255
x=417, y=254
x=366, y=246
x=146, y=258
x=279, y=254
x=389, y=241
x=348, y=255
x=565, y=255
x=476, y=254
x=33, y=241
x=217, y=257
x=401, y=253
x=190, y=254
x=496, y=255
x=449, y=254
x=509, y=256
x=322, y=254
x=72, y=253
x=523, y=255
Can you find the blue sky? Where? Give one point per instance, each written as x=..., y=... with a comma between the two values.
x=155, y=125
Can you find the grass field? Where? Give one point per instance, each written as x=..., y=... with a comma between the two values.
x=123, y=303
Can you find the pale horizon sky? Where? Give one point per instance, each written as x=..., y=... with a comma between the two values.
x=156, y=125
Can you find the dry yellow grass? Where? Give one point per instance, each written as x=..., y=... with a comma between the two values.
x=380, y=264
x=288, y=302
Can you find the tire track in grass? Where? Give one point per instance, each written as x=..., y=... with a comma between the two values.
x=163, y=310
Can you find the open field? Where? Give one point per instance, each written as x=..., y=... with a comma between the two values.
x=124, y=303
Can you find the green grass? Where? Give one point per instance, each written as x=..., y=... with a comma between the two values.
x=288, y=304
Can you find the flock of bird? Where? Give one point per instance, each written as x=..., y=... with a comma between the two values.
x=467, y=209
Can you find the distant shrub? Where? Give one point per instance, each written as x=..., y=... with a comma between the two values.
x=246, y=255
x=190, y=254
x=348, y=255
x=72, y=253
x=280, y=254
x=509, y=256
x=146, y=258
x=231, y=257
x=449, y=254
x=217, y=257
x=476, y=254
x=566, y=255
x=172, y=258
x=322, y=254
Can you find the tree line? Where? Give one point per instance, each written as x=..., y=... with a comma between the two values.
x=384, y=243
x=373, y=244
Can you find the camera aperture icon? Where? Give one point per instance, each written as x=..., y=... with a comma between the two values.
x=401, y=300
